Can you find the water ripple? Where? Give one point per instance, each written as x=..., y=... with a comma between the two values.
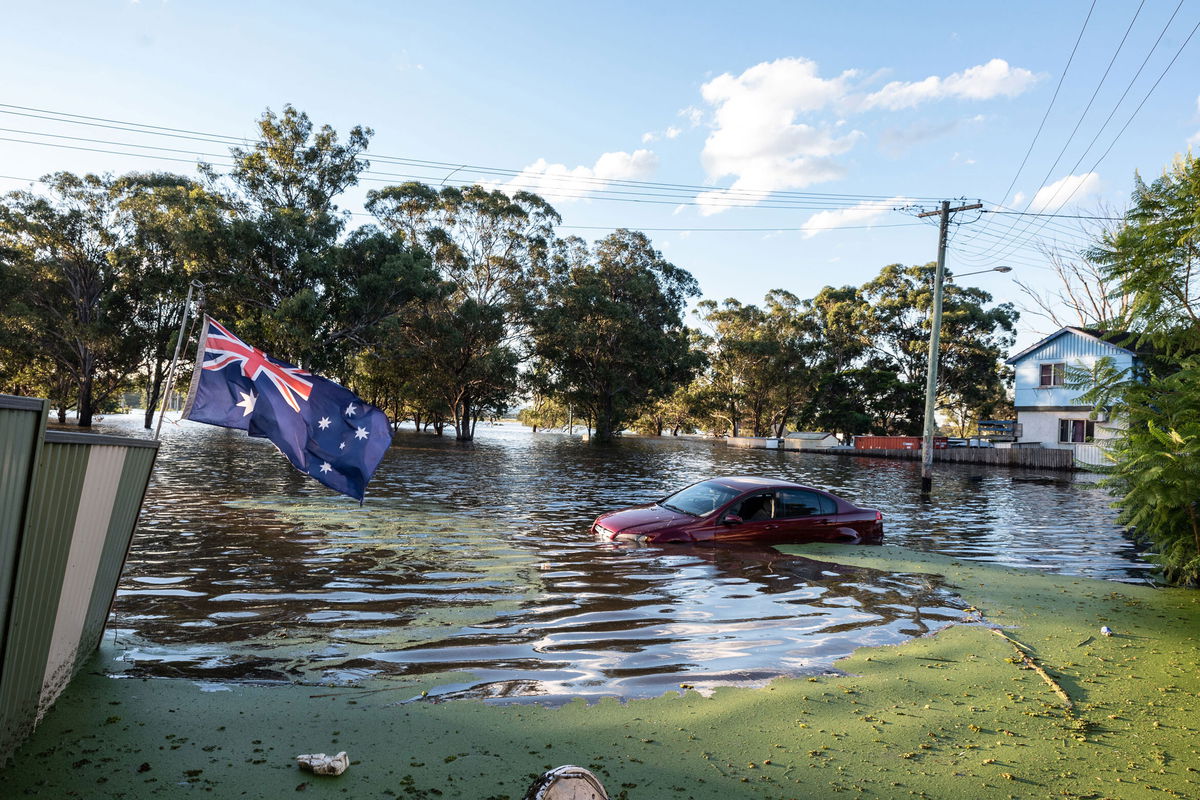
x=477, y=559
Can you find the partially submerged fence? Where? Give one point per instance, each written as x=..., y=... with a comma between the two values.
x=68, y=506
x=1019, y=457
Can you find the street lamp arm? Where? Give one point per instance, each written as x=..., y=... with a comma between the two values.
x=980, y=272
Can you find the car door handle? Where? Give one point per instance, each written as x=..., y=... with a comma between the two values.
x=770, y=527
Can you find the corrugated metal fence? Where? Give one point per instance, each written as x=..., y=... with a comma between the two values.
x=68, y=506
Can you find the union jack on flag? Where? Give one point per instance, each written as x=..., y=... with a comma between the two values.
x=224, y=349
x=324, y=429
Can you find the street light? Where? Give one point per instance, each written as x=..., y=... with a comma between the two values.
x=980, y=272
x=935, y=334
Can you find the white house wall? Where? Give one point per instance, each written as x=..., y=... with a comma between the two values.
x=1042, y=426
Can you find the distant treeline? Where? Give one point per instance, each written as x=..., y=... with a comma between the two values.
x=454, y=304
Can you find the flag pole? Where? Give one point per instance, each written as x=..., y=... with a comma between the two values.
x=166, y=399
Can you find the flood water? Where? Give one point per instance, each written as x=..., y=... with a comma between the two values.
x=474, y=564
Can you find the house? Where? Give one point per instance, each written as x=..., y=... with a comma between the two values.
x=804, y=440
x=1048, y=412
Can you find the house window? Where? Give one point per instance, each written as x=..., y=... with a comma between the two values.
x=1054, y=374
x=1076, y=431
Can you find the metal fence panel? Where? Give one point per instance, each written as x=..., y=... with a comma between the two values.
x=82, y=496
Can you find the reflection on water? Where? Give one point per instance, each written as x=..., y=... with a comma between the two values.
x=474, y=563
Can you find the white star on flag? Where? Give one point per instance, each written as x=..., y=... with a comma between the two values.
x=350, y=409
x=361, y=433
x=247, y=402
x=323, y=423
x=342, y=446
x=325, y=467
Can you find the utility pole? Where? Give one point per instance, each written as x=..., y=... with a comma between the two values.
x=935, y=335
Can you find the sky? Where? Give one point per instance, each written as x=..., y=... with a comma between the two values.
x=760, y=145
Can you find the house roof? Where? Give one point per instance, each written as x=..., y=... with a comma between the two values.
x=1117, y=339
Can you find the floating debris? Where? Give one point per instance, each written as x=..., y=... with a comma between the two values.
x=1105, y=630
x=321, y=764
x=567, y=782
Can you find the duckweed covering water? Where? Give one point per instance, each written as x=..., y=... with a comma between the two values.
x=954, y=714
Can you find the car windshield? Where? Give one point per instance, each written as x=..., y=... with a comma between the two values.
x=699, y=499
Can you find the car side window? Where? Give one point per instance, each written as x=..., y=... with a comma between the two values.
x=828, y=504
x=799, y=503
x=756, y=508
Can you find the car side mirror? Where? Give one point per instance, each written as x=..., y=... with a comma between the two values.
x=731, y=519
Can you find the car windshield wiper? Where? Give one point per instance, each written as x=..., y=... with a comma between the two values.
x=677, y=508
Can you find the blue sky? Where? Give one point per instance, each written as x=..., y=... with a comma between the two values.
x=881, y=103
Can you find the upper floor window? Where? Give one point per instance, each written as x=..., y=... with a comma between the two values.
x=1076, y=431
x=1054, y=374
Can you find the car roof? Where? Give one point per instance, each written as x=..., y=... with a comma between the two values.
x=746, y=483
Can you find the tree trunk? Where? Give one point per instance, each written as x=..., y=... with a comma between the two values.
x=462, y=421
x=62, y=414
x=85, y=402
x=604, y=422
x=733, y=418
x=154, y=392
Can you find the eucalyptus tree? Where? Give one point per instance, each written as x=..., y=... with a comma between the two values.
x=64, y=251
x=486, y=246
x=608, y=329
x=279, y=288
x=975, y=338
x=174, y=231
x=741, y=359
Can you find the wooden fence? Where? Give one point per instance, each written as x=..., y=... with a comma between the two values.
x=1020, y=457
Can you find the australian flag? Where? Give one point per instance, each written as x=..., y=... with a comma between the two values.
x=324, y=429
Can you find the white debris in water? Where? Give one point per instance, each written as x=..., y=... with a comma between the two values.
x=1105, y=630
x=321, y=764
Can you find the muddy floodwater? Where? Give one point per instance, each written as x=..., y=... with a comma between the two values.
x=474, y=563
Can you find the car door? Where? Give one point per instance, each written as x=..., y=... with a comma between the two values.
x=758, y=522
x=806, y=516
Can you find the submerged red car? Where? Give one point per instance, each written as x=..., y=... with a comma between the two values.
x=743, y=509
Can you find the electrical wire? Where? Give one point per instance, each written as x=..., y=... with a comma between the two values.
x=1111, y=114
x=1042, y=124
x=184, y=133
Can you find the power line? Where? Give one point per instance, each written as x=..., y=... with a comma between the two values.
x=1056, y=216
x=532, y=182
x=654, y=230
x=1046, y=116
x=1107, y=119
x=184, y=133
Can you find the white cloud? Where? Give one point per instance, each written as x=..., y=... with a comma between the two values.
x=558, y=182
x=671, y=132
x=982, y=82
x=757, y=138
x=781, y=125
x=861, y=214
x=693, y=115
x=1053, y=196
